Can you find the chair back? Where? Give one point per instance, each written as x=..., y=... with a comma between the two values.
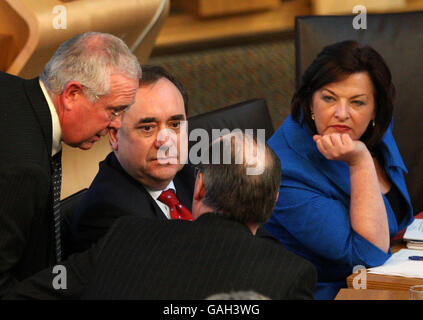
x=252, y=114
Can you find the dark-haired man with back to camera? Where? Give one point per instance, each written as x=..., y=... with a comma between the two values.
x=175, y=259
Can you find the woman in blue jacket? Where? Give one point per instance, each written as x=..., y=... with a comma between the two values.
x=343, y=193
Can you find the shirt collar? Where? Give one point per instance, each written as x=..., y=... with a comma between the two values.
x=156, y=193
x=57, y=130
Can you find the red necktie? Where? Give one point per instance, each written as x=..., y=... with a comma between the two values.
x=177, y=210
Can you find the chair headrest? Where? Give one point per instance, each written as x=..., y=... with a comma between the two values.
x=251, y=114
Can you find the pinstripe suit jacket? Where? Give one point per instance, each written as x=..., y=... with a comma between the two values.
x=25, y=186
x=168, y=259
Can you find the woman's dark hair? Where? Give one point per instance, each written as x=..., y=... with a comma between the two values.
x=334, y=63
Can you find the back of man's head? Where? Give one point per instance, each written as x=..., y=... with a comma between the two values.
x=246, y=189
x=90, y=58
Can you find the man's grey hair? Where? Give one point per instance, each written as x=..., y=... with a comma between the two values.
x=231, y=191
x=238, y=295
x=90, y=58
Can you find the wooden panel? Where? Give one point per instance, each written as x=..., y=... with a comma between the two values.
x=7, y=50
x=322, y=7
x=127, y=19
x=182, y=29
x=352, y=294
x=14, y=32
x=149, y=36
x=207, y=8
x=383, y=282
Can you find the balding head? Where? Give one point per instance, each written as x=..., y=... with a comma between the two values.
x=241, y=182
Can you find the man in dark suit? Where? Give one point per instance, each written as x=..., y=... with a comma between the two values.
x=73, y=101
x=132, y=177
x=174, y=259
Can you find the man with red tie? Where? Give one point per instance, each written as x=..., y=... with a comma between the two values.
x=219, y=252
x=140, y=177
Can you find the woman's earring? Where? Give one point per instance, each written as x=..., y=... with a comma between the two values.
x=312, y=116
x=373, y=123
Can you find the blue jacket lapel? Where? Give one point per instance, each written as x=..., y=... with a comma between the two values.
x=300, y=140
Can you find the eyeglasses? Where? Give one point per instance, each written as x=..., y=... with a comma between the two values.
x=113, y=113
x=116, y=113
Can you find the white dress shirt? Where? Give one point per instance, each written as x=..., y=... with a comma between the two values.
x=156, y=194
x=55, y=123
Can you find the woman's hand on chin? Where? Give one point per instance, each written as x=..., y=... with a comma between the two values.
x=341, y=147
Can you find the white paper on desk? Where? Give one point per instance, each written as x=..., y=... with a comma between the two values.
x=399, y=265
x=414, y=231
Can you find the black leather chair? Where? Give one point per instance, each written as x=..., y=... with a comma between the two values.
x=251, y=114
x=398, y=38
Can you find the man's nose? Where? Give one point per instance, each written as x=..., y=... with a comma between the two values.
x=103, y=132
x=115, y=123
x=162, y=138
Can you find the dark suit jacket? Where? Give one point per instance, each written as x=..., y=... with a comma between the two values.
x=114, y=189
x=25, y=187
x=173, y=259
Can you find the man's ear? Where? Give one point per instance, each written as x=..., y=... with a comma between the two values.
x=199, y=190
x=71, y=94
x=114, y=138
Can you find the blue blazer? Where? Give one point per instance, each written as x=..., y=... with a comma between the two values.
x=311, y=216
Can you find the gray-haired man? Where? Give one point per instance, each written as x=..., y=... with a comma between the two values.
x=83, y=89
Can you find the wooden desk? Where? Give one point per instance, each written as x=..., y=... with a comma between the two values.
x=384, y=282
x=352, y=294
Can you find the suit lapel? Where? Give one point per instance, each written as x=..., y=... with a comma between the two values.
x=111, y=170
x=300, y=140
x=153, y=204
x=182, y=192
x=40, y=107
